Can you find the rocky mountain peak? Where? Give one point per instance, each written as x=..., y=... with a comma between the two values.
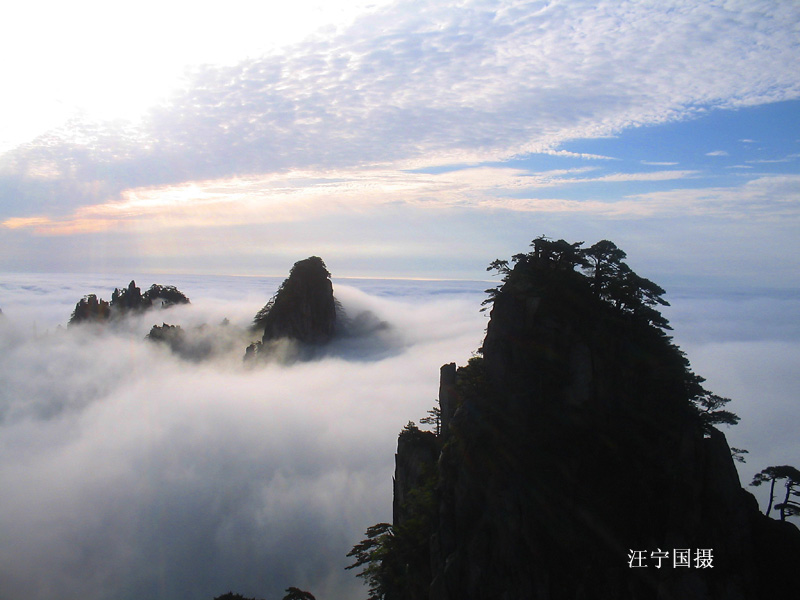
x=579, y=441
x=124, y=301
x=303, y=309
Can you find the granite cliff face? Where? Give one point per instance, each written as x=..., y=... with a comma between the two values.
x=303, y=309
x=578, y=439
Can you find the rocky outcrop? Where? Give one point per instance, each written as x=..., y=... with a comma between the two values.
x=125, y=301
x=448, y=395
x=415, y=469
x=199, y=342
x=90, y=309
x=303, y=310
x=173, y=336
x=572, y=449
x=158, y=296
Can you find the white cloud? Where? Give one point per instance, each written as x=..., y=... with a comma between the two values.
x=131, y=473
x=298, y=195
x=768, y=197
x=756, y=374
x=717, y=153
x=579, y=155
x=426, y=84
x=785, y=159
x=143, y=57
x=651, y=176
x=745, y=345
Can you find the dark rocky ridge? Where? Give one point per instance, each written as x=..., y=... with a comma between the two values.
x=572, y=442
x=91, y=309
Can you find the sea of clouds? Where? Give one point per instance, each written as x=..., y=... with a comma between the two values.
x=130, y=472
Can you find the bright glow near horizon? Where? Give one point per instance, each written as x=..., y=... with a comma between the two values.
x=243, y=137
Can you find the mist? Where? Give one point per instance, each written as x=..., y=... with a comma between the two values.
x=130, y=471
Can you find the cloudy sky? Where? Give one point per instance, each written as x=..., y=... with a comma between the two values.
x=412, y=139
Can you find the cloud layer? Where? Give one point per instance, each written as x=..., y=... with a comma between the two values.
x=425, y=85
x=131, y=473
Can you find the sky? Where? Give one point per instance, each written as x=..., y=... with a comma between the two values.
x=400, y=139
x=211, y=148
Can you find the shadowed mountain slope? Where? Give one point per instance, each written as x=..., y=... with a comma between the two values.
x=578, y=458
x=303, y=309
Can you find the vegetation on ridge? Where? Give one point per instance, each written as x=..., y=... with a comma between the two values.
x=603, y=273
x=791, y=475
x=124, y=301
x=644, y=388
x=569, y=271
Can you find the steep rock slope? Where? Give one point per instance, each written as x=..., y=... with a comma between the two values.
x=578, y=443
x=303, y=310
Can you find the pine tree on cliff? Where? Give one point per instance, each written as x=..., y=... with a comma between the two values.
x=604, y=260
x=791, y=475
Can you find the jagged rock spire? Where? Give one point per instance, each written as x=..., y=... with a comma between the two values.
x=304, y=308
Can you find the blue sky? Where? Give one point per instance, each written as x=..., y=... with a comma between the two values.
x=404, y=139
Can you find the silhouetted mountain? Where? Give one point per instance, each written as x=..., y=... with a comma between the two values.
x=292, y=593
x=158, y=296
x=303, y=309
x=92, y=309
x=124, y=301
x=578, y=458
